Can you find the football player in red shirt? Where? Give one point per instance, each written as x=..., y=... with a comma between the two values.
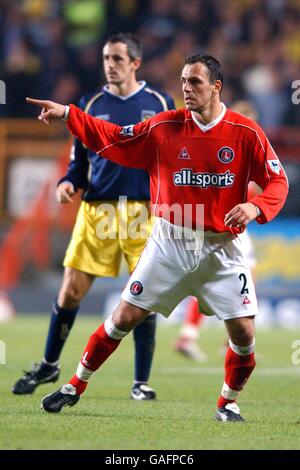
x=187, y=342
x=200, y=160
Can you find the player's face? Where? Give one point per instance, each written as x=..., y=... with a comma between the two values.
x=198, y=91
x=118, y=67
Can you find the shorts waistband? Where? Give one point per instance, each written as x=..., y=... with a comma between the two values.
x=92, y=206
x=218, y=235
x=207, y=234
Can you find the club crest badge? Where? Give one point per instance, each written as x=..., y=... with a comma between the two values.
x=225, y=155
x=147, y=114
x=136, y=288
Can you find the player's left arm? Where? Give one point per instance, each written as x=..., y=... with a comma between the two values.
x=241, y=214
x=268, y=173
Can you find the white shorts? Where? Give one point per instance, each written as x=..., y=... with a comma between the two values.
x=215, y=270
x=248, y=249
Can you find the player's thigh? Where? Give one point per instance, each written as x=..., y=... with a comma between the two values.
x=160, y=280
x=137, y=219
x=132, y=250
x=248, y=249
x=229, y=294
x=94, y=247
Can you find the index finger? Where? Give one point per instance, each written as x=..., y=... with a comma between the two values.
x=233, y=211
x=66, y=196
x=37, y=102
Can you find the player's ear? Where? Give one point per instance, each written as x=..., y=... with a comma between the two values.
x=136, y=63
x=217, y=87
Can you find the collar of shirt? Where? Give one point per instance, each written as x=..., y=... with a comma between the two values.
x=142, y=85
x=210, y=125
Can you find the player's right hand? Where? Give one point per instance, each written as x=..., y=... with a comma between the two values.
x=64, y=192
x=50, y=110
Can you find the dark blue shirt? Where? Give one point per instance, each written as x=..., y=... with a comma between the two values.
x=99, y=178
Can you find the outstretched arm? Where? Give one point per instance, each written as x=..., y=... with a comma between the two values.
x=128, y=145
x=93, y=132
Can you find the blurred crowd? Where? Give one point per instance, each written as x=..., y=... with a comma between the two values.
x=52, y=48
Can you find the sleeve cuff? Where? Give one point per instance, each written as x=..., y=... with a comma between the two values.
x=258, y=211
x=67, y=112
x=70, y=180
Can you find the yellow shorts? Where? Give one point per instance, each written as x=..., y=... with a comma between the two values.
x=104, y=230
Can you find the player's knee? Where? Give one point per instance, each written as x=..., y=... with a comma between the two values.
x=127, y=316
x=241, y=330
x=244, y=336
x=69, y=297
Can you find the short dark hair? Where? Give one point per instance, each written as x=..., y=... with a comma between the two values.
x=134, y=47
x=214, y=67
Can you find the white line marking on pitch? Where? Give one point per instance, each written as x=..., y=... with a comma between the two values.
x=218, y=370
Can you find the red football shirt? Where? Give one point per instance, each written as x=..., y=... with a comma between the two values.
x=189, y=166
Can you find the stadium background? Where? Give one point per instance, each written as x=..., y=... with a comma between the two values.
x=52, y=48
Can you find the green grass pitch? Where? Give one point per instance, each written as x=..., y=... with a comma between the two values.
x=181, y=418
